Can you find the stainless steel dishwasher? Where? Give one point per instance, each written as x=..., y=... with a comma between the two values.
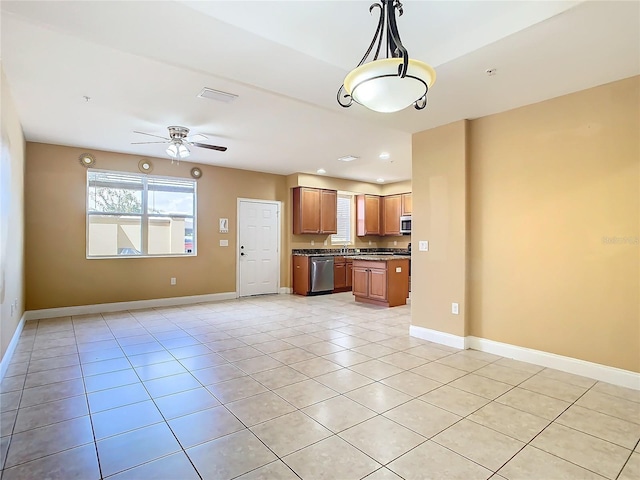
x=321, y=274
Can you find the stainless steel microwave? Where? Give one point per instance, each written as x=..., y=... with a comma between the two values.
x=405, y=224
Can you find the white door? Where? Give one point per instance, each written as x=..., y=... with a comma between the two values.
x=258, y=247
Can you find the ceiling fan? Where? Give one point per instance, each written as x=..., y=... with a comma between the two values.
x=179, y=142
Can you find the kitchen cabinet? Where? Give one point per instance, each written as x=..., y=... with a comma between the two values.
x=407, y=205
x=367, y=215
x=391, y=211
x=349, y=274
x=339, y=274
x=381, y=282
x=328, y=211
x=342, y=274
x=301, y=283
x=315, y=211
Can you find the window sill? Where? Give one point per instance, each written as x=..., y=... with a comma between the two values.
x=186, y=255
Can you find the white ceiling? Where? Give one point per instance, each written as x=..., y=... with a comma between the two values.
x=143, y=63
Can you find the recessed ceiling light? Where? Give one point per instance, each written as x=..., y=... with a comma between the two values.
x=380, y=180
x=384, y=156
x=321, y=171
x=348, y=158
x=212, y=94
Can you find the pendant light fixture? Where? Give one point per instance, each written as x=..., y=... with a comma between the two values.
x=387, y=84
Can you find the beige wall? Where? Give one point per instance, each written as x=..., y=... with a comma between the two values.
x=12, y=270
x=439, y=216
x=548, y=186
x=57, y=272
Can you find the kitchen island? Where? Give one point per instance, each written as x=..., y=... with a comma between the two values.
x=381, y=279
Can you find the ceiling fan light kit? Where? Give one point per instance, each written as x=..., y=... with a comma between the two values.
x=388, y=84
x=177, y=150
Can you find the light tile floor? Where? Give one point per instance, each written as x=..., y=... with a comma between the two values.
x=286, y=387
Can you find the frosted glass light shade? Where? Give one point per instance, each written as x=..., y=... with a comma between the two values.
x=377, y=86
x=178, y=150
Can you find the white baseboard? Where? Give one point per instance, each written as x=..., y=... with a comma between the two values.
x=6, y=359
x=435, y=336
x=285, y=290
x=597, y=371
x=133, y=305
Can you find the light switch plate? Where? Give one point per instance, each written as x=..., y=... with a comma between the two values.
x=423, y=246
x=455, y=309
x=224, y=225
x=224, y=243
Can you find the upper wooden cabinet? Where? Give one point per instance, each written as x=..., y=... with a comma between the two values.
x=391, y=211
x=314, y=210
x=367, y=215
x=406, y=204
x=328, y=211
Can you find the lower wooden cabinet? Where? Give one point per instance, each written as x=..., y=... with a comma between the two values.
x=301, y=282
x=342, y=274
x=383, y=282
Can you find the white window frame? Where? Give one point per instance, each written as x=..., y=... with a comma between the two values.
x=144, y=216
x=335, y=238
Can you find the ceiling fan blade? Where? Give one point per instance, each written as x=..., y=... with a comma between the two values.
x=196, y=136
x=142, y=143
x=151, y=135
x=210, y=147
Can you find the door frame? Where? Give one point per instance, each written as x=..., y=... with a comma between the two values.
x=278, y=205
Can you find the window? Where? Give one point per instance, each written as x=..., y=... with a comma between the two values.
x=130, y=214
x=343, y=236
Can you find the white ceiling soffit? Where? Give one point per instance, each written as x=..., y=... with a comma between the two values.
x=143, y=63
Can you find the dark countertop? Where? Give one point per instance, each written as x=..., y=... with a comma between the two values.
x=378, y=257
x=352, y=254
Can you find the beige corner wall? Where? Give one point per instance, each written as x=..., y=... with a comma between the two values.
x=59, y=275
x=12, y=270
x=549, y=185
x=439, y=216
x=553, y=194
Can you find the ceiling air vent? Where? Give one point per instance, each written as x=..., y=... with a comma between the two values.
x=212, y=94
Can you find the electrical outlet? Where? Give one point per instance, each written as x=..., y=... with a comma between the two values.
x=369, y=242
x=395, y=243
x=325, y=243
x=313, y=243
x=455, y=309
x=173, y=280
x=423, y=246
x=224, y=243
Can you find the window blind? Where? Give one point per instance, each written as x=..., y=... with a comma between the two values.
x=344, y=220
